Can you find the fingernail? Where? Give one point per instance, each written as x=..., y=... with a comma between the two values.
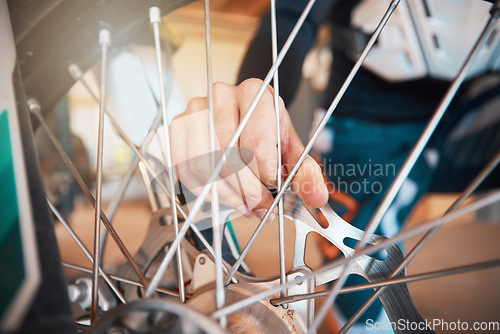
x=262, y=212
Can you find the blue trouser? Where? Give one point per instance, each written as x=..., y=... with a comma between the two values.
x=364, y=160
x=366, y=156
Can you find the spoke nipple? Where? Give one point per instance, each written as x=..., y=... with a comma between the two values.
x=75, y=71
x=273, y=302
x=154, y=15
x=104, y=37
x=33, y=105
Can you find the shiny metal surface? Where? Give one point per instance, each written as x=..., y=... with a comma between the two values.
x=85, y=251
x=80, y=292
x=428, y=236
x=154, y=316
x=36, y=110
x=396, y=300
x=318, y=130
x=260, y=317
x=117, y=278
x=104, y=41
x=383, y=244
x=155, y=19
x=279, y=181
x=199, y=201
x=378, y=284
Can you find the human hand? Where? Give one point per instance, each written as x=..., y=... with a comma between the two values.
x=251, y=168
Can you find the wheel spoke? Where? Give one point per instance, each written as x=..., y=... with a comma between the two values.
x=147, y=184
x=421, y=228
x=127, y=178
x=220, y=164
x=116, y=200
x=279, y=181
x=314, y=137
x=85, y=251
x=217, y=227
x=119, y=279
x=410, y=161
x=78, y=75
x=426, y=238
x=388, y=282
x=282, y=290
x=155, y=18
x=104, y=41
x=35, y=109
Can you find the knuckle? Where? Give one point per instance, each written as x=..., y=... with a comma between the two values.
x=221, y=90
x=251, y=85
x=220, y=86
x=196, y=104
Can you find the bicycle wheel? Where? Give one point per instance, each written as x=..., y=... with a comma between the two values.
x=245, y=298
